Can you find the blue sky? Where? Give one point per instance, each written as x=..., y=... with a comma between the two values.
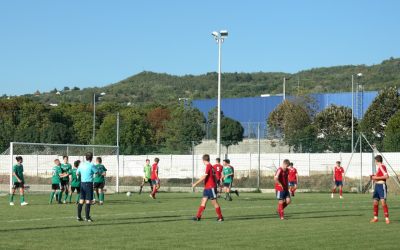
x=52, y=44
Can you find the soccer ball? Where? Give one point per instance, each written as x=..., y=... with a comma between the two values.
x=128, y=194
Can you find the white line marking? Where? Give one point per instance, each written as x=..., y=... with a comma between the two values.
x=157, y=212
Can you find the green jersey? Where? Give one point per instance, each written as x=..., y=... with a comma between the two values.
x=65, y=169
x=56, y=175
x=19, y=171
x=76, y=179
x=226, y=171
x=147, y=172
x=100, y=177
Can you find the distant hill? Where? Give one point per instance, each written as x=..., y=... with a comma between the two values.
x=149, y=87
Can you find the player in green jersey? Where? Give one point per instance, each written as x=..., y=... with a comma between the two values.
x=75, y=182
x=99, y=182
x=66, y=167
x=147, y=176
x=56, y=181
x=18, y=181
x=227, y=175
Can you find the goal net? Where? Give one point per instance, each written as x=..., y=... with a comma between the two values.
x=38, y=162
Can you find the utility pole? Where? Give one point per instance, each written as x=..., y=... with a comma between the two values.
x=94, y=117
x=284, y=85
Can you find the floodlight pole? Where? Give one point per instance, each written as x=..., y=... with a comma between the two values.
x=284, y=86
x=352, y=114
x=94, y=116
x=219, y=102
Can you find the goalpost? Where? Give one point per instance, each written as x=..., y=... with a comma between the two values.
x=38, y=162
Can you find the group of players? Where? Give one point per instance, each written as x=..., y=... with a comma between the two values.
x=286, y=177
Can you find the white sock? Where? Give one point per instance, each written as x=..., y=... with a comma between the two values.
x=387, y=218
x=375, y=217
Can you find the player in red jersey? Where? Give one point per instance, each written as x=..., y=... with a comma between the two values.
x=228, y=162
x=380, y=189
x=293, y=178
x=210, y=190
x=218, y=171
x=338, y=178
x=281, y=188
x=154, y=178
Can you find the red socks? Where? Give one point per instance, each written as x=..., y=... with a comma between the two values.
x=201, y=210
x=218, y=209
x=220, y=190
x=385, y=210
x=376, y=209
x=294, y=189
x=333, y=191
x=154, y=192
x=280, y=209
x=340, y=192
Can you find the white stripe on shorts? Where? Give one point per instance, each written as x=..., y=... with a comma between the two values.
x=213, y=191
x=384, y=191
x=278, y=194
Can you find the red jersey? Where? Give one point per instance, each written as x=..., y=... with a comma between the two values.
x=381, y=172
x=282, y=175
x=210, y=181
x=154, y=169
x=339, y=173
x=218, y=170
x=292, y=174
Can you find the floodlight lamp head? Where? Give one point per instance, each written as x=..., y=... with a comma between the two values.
x=215, y=34
x=223, y=33
x=359, y=74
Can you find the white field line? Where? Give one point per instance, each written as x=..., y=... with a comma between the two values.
x=179, y=211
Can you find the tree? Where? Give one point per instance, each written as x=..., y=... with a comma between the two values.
x=107, y=134
x=156, y=118
x=57, y=133
x=30, y=134
x=391, y=141
x=231, y=132
x=378, y=114
x=191, y=132
x=54, y=91
x=333, y=125
x=76, y=88
x=66, y=88
x=213, y=115
x=307, y=141
x=135, y=135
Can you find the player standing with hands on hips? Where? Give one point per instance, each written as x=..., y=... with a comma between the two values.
x=86, y=170
x=338, y=178
x=380, y=189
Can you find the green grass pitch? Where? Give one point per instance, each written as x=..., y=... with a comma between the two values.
x=315, y=221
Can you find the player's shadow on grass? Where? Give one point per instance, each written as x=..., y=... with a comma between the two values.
x=85, y=224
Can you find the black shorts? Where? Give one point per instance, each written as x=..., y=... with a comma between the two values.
x=18, y=185
x=228, y=185
x=65, y=183
x=99, y=185
x=56, y=186
x=87, y=191
x=78, y=189
x=148, y=181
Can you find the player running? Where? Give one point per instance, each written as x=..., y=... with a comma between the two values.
x=66, y=167
x=155, y=178
x=380, y=189
x=228, y=163
x=293, y=178
x=147, y=176
x=281, y=188
x=338, y=178
x=58, y=175
x=75, y=182
x=210, y=190
x=218, y=171
x=18, y=182
x=99, y=182
x=227, y=175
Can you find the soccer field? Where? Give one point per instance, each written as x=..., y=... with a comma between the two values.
x=315, y=221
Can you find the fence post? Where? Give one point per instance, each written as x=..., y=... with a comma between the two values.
x=259, y=163
x=192, y=166
x=360, y=164
x=309, y=164
x=250, y=166
x=11, y=164
x=117, y=179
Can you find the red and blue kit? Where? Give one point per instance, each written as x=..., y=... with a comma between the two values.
x=380, y=191
x=210, y=189
x=292, y=176
x=218, y=171
x=154, y=169
x=339, y=176
x=282, y=192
